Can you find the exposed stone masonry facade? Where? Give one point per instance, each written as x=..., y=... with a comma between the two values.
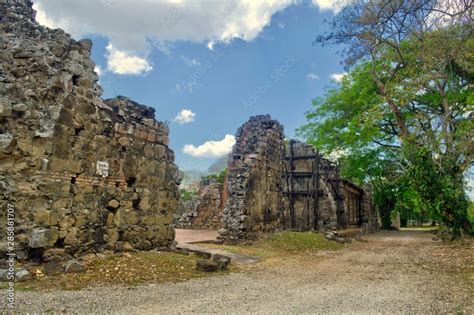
x=261, y=176
x=84, y=174
x=206, y=210
x=254, y=180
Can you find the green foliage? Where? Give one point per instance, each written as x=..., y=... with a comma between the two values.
x=187, y=195
x=418, y=173
x=218, y=177
x=441, y=187
x=470, y=212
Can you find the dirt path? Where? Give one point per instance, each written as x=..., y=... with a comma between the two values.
x=394, y=272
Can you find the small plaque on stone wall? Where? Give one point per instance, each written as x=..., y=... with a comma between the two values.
x=103, y=168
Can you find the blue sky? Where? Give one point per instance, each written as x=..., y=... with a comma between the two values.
x=272, y=69
x=232, y=82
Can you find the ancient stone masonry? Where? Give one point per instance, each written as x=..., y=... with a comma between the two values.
x=254, y=180
x=84, y=174
x=204, y=212
x=272, y=186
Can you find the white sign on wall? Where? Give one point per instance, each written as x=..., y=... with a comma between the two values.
x=102, y=168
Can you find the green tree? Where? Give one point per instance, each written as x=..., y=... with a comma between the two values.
x=414, y=61
x=218, y=177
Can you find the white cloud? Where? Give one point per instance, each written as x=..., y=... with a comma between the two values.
x=210, y=45
x=123, y=62
x=147, y=21
x=156, y=24
x=211, y=148
x=312, y=76
x=185, y=116
x=333, y=5
x=164, y=47
x=190, y=62
x=98, y=70
x=338, y=76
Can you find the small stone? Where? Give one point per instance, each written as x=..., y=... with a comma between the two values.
x=5, y=107
x=207, y=265
x=3, y=274
x=21, y=107
x=127, y=247
x=330, y=236
x=22, y=275
x=340, y=240
x=5, y=140
x=53, y=267
x=124, y=141
x=42, y=237
x=74, y=266
x=222, y=261
x=223, y=232
x=114, y=204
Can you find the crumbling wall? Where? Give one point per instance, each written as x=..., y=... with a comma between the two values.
x=254, y=180
x=207, y=210
x=83, y=174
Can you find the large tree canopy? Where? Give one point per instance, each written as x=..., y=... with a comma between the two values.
x=404, y=113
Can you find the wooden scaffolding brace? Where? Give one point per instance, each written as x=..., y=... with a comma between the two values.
x=311, y=194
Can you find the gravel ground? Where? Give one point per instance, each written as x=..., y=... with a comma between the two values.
x=394, y=272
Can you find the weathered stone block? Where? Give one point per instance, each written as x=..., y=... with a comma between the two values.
x=53, y=268
x=43, y=237
x=5, y=107
x=74, y=266
x=206, y=265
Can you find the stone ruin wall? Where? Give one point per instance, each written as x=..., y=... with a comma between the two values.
x=257, y=182
x=206, y=211
x=84, y=174
x=254, y=180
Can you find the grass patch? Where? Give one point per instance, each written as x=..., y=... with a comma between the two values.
x=301, y=242
x=283, y=246
x=128, y=269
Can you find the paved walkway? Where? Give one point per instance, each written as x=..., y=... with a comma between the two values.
x=187, y=239
x=186, y=236
x=235, y=257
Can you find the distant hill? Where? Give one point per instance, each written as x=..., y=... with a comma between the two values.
x=218, y=165
x=191, y=179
